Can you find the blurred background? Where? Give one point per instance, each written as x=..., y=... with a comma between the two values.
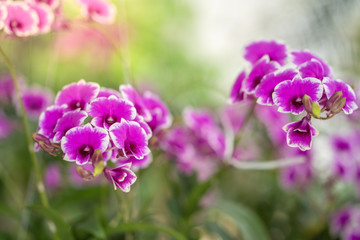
x=188, y=52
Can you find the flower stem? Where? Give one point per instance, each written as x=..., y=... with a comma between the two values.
x=39, y=182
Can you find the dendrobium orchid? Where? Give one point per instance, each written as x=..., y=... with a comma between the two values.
x=296, y=82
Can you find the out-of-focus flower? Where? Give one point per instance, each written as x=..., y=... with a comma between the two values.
x=52, y=176
x=45, y=15
x=36, y=100
x=3, y=15
x=100, y=11
x=80, y=143
x=129, y=93
x=6, y=89
x=297, y=175
x=121, y=177
x=160, y=115
x=21, y=20
x=237, y=91
x=5, y=126
x=51, y=3
x=276, y=51
x=136, y=164
x=77, y=95
x=345, y=223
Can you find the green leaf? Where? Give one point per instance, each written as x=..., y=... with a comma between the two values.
x=213, y=227
x=132, y=227
x=246, y=221
x=93, y=226
x=62, y=228
x=316, y=109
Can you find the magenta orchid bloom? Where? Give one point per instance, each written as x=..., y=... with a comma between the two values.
x=80, y=143
x=100, y=11
x=21, y=20
x=130, y=138
x=121, y=177
x=288, y=94
x=46, y=16
x=77, y=95
x=68, y=121
x=300, y=133
x=107, y=111
x=275, y=51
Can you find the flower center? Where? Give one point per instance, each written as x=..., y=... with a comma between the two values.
x=110, y=120
x=15, y=25
x=77, y=104
x=297, y=102
x=86, y=150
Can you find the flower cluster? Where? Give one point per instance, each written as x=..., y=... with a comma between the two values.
x=294, y=82
x=199, y=146
x=34, y=17
x=346, y=223
x=90, y=125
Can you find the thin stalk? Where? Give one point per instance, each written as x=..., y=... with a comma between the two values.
x=38, y=177
x=39, y=182
x=266, y=165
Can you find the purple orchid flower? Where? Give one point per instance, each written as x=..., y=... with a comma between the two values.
x=5, y=126
x=299, y=134
x=68, y=121
x=340, y=220
x=100, y=11
x=300, y=57
x=274, y=50
x=299, y=175
x=204, y=127
x=263, y=67
x=53, y=4
x=140, y=120
x=266, y=87
x=46, y=16
x=36, y=100
x=130, y=138
x=288, y=94
x=107, y=92
x=129, y=93
x=312, y=69
x=21, y=20
x=237, y=92
x=136, y=164
x=52, y=176
x=80, y=143
x=333, y=85
x=121, y=177
x=107, y=111
x=6, y=89
x=3, y=15
x=160, y=115
x=77, y=95
x=48, y=120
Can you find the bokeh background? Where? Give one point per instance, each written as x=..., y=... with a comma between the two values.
x=188, y=52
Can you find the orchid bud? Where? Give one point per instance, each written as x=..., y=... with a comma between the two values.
x=308, y=103
x=97, y=162
x=338, y=106
x=333, y=99
x=84, y=174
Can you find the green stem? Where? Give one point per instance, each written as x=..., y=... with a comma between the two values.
x=127, y=227
x=38, y=177
x=39, y=182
